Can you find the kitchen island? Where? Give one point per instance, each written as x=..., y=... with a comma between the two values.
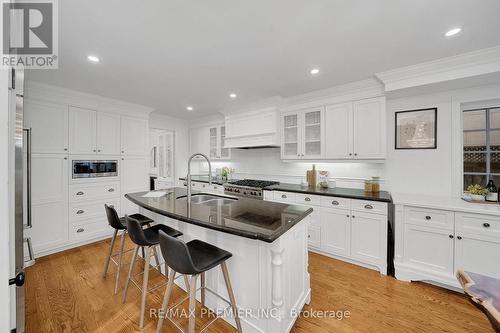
x=269, y=245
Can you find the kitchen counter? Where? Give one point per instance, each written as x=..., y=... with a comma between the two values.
x=269, y=266
x=250, y=218
x=351, y=193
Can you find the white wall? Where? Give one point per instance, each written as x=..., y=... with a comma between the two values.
x=181, y=139
x=4, y=205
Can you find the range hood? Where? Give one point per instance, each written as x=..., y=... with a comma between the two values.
x=254, y=129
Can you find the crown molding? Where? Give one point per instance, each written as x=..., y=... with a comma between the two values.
x=342, y=93
x=480, y=62
x=44, y=92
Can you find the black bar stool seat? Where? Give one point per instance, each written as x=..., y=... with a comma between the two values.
x=205, y=256
x=143, y=220
x=152, y=237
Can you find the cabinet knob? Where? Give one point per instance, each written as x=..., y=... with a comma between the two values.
x=79, y=193
x=335, y=203
x=98, y=150
x=283, y=196
x=368, y=206
x=486, y=225
x=451, y=236
x=427, y=217
x=80, y=212
x=459, y=237
x=80, y=230
x=353, y=216
x=308, y=236
x=65, y=149
x=347, y=215
x=350, y=154
x=355, y=154
x=111, y=190
x=94, y=150
x=65, y=158
x=123, y=151
x=307, y=199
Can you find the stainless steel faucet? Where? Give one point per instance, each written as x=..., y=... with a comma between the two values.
x=189, y=173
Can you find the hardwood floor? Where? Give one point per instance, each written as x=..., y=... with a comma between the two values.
x=66, y=293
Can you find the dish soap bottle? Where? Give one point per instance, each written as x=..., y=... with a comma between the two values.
x=492, y=195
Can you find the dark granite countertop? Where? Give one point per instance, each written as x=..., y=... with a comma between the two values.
x=250, y=218
x=204, y=179
x=342, y=192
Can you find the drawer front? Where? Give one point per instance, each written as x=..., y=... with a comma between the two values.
x=477, y=224
x=94, y=192
x=314, y=236
x=367, y=206
x=84, y=210
x=92, y=229
x=307, y=199
x=268, y=195
x=434, y=218
x=284, y=196
x=334, y=202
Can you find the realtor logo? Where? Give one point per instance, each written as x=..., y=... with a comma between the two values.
x=29, y=34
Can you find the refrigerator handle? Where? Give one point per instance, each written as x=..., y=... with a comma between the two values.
x=31, y=260
x=29, y=224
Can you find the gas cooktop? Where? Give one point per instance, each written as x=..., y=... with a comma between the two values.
x=248, y=187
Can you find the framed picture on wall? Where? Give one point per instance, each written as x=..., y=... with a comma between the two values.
x=416, y=129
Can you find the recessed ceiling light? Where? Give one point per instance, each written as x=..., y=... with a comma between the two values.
x=233, y=95
x=189, y=108
x=93, y=58
x=314, y=71
x=453, y=32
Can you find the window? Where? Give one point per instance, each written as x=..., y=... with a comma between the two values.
x=481, y=146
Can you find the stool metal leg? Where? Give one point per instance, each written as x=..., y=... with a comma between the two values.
x=231, y=296
x=192, y=303
x=157, y=260
x=145, y=285
x=106, y=264
x=203, y=284
x=132, y=263
x=166, y=298
x=119, y=268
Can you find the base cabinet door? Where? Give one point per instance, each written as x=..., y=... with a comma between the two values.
x=368, y=237
x=336, y=234
x=134, y=178
x=429, y=249
x=478, y=254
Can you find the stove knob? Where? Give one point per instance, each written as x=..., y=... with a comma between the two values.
x=245, y=193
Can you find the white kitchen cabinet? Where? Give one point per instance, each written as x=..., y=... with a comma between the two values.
x=336, y=231
x=356, y=130
x=369, y=238
x=82, y=131
x=49, y=201
x=339, y=131
x=369, y=134
x=49, y=126
x=198, y=140
x=134, y=178
x=303, y=134
x=217, y=135
x=108, y=133
x=134, y=136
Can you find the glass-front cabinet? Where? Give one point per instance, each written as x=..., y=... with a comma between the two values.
x=217, y=142
x=303, y=134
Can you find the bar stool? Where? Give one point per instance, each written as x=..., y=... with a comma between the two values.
x=118, y=223
x=145, y=238
x=193, y=258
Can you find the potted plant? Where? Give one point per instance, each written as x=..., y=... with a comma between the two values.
x=476, y=192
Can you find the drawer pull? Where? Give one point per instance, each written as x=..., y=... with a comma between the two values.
x=111, y=190
x=451, y=236
x=308, y=236
x=79, y=193
x=486, y=225
x=459, y=237
x=80, y=230
x=80, y=212
x=368, y=206
x=335, y=203
x=427, y=217
x=283, y=196
x=307, y=199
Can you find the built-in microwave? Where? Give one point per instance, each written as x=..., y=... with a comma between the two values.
x=95, y=168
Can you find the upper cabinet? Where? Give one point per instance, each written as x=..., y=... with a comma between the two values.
x=49, y=126
x=302, y=134
x=217, y=141
x=198, y=142
x=134, y=136
x=92, y=132
x=346, y=131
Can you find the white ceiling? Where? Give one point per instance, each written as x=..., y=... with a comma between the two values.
x=169, y=54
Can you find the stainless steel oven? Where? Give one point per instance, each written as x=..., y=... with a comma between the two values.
x=95, y=168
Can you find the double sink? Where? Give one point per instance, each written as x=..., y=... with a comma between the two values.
x=208, y=199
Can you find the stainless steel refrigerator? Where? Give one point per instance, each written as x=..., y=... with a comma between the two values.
x=21, y=196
